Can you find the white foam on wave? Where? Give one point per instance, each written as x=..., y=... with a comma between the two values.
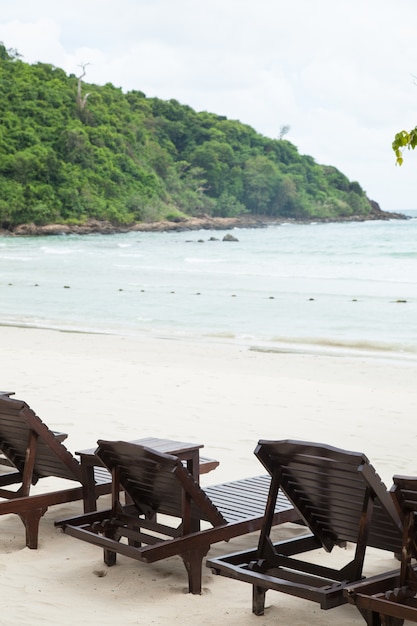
x=203, y=260
x=59, y=250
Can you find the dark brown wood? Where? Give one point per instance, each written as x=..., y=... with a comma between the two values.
x=31, y=452
x=207, y=465
x=187, y=452
x=390, y=598
x=159, y=484
x=340, y=498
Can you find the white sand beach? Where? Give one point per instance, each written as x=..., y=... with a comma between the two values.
x=223, y=395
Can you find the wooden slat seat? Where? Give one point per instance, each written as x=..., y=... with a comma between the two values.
x=340, y=498
x=159, y=485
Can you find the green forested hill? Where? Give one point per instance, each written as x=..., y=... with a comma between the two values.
x=68, y=157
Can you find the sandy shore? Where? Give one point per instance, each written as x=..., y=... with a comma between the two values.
x=223, y=395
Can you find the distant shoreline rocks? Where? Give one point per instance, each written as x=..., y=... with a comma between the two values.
x=194, y=223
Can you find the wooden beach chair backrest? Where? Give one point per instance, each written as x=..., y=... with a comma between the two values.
x=390, y=598
x=156, y=482
x=338, y=493
x=404, y=495
x=33, y=449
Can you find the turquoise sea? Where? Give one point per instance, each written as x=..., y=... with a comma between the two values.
x=326, y=287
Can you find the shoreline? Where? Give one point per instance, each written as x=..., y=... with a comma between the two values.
x=93, y=226
x=314, y=347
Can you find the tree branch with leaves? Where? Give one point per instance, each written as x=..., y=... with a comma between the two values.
x=404, y=139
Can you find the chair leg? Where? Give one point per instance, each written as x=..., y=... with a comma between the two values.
x=110, y=555
x=386, y=620
x=370, y=617
x=258, y=600
x=31, y=521
x=193, y=561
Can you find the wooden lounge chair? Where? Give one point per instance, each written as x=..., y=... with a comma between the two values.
x=340, y=498
x=167, y=507
x=30, y=452
x=390, y=598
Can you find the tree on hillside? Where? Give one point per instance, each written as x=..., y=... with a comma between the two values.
x=284, y=130
x=81, y=100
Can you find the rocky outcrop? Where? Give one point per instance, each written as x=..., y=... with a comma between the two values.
x=194, y=223
x=378, y=214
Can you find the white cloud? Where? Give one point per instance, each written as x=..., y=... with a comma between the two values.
x=339, y=73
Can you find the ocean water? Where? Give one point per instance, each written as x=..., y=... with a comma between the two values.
x=326, y=287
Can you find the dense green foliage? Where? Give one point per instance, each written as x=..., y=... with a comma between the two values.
x=126, y=158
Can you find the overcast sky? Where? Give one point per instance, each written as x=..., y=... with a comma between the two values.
x=340, y=73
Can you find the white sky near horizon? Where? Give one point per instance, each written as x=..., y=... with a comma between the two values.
x=340, y=73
